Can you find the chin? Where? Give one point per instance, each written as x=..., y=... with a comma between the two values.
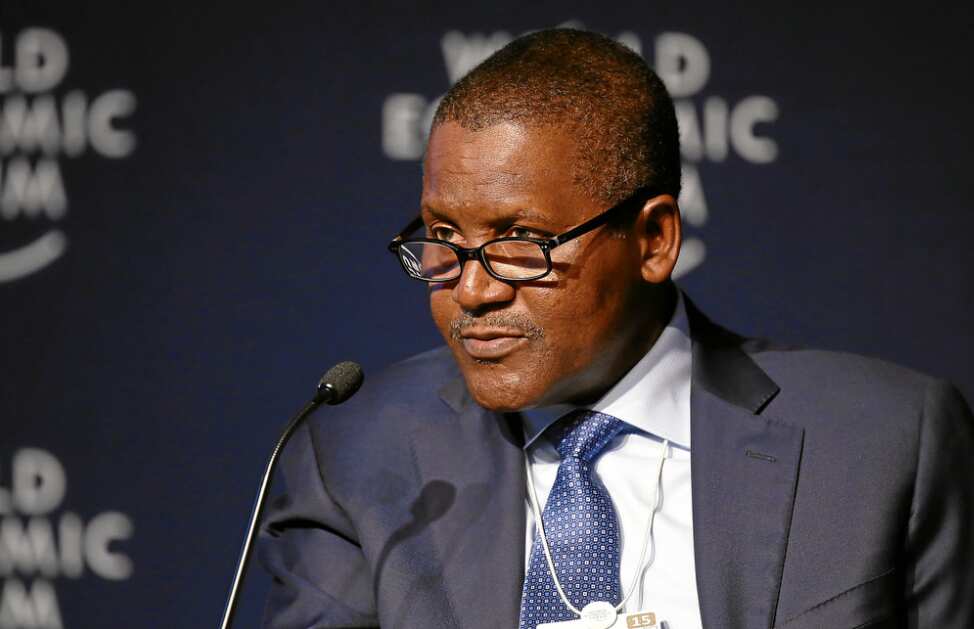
x=496, y=388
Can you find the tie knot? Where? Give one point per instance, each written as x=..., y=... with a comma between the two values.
x=585, y=433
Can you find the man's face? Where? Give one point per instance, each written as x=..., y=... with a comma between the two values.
x=564, y=338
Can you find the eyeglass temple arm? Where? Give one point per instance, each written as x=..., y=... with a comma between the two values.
x=637, y=199
x=413, y=225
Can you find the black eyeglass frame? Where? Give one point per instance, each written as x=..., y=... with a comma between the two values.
x=464, y=254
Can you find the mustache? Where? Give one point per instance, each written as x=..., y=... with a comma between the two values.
x=509, y=320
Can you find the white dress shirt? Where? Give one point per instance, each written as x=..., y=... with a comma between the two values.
x=654, y=398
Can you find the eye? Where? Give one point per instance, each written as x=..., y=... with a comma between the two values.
x=443, y=232
x=525, y=232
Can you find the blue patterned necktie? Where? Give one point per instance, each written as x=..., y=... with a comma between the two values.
x=581, y=526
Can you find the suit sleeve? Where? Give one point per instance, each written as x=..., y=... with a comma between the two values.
x=320, y=577
x=940, y=543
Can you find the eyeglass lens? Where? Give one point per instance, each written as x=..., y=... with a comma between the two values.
x=510, y=259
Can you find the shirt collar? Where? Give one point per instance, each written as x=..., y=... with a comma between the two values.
x=654, y=396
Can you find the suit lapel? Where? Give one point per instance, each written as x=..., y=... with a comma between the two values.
x=479, y=538
x=744, y=467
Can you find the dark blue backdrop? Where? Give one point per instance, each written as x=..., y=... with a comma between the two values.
x=231, y=175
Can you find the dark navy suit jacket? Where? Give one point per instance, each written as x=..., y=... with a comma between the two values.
x=830, y=491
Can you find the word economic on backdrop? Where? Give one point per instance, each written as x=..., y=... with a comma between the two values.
x=40, y=542
x=712, y=128
x=37, y=126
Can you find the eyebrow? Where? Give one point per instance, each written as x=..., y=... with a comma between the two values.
x=522, y=213
x=530, y=214
x=435, y=213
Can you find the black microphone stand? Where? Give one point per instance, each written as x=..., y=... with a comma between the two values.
x=325, y=393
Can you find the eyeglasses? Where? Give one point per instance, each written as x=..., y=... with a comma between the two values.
x=509, y=259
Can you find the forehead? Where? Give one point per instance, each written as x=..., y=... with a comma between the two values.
x=504, y=167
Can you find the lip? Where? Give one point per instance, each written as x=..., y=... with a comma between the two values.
x=489, y=344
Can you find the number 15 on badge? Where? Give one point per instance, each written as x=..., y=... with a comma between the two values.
x=640, y=620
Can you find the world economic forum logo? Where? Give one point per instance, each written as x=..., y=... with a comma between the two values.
x=43, y=541
x=712, y=127
x=39, y=125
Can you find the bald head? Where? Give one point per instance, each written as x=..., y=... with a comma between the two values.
x=597, y=91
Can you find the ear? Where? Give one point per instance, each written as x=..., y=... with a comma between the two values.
x=658, y=230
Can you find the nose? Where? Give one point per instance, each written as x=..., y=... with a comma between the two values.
x=476, y=289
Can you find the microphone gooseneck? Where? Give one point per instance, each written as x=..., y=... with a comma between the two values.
x=337, y=385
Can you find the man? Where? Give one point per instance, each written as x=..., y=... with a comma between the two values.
x=687, y=476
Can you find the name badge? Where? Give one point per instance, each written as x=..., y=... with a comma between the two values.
x=635, y=620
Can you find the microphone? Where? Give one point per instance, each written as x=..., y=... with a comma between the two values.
x=337, y=385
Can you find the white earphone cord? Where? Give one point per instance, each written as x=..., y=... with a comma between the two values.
x=539, y=523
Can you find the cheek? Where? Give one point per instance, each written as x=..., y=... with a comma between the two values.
x=584, y=321
x=591, y=300
x=571, y=323
x=442, y=308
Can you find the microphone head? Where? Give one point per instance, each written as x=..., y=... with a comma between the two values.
x=340, y=382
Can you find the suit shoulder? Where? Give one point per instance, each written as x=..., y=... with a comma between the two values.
x=834, y=372
x=844, y=393
x=397, y=396
x=417, y=375
x=813, y=377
